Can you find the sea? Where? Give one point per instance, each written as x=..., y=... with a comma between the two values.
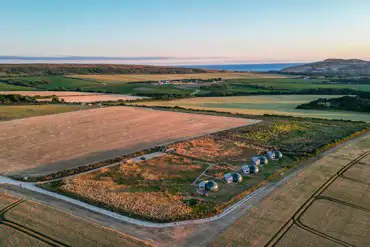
x=146, y=61
x=246, y=67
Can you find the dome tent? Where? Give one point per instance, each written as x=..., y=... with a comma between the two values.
x=237, y=178
x=211, y=186
x=245, y=169
x=278, y=155
x=254, y=169
x=263, y=160
x=202, y=185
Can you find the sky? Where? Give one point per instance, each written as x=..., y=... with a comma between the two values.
x=187, y=31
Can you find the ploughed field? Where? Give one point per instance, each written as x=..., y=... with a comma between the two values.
x=326, y=204
x=28, y=223
x=81, y=97
x=164, y=189
x=44, y=145
x=260, y=105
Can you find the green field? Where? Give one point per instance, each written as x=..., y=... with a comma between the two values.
x=229, y=87
x=10, y=112
x=260, y=105
x=294, y=84
x=65, y=83
x=8, y=87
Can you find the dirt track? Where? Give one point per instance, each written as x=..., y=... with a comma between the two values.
x=46, y=144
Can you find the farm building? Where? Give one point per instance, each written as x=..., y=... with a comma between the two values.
x=237, y=178
x=256, y=161
x=245, y=169
x=228, y=178
x=211, y=186
x=254, y=169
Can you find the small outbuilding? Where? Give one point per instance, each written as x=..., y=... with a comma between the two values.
x=254, y=169
x=228, y=178
x=237, y=178
x=245, y=170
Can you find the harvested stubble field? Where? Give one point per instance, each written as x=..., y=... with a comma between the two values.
x=343, y=222
x=260, y=105
x=156, y=77
x=10, y=112
x=65, y=228
x=71, y=96
x=10, y=237
x=264, y=220
x=6, y=200
x=44, y=145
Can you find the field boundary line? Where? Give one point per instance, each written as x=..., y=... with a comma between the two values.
x=40, y=236
x=321, y=234
x=354, y=179
x=327, y=198
x=303, y=208
x=37, y=235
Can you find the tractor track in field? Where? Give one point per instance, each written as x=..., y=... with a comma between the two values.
x=296, y=218
x=34, y=234
x=354, y=180
x=343, y=203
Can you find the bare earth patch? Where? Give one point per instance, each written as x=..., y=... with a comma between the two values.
x=46, y=144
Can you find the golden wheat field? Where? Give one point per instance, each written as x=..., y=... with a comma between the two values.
x=156, y=77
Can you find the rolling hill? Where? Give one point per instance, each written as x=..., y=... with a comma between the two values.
x=332, y=67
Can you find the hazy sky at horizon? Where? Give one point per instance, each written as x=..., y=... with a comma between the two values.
x=234, y=30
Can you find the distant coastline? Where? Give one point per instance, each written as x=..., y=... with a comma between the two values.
x=246, y=67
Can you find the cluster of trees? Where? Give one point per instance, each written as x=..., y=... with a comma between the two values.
x=347, y=103
x=63, y=69
x=351, y=80
x=8, y=99
x=27, y=83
